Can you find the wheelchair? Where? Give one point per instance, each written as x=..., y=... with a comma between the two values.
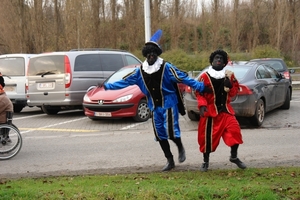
x=10, y=139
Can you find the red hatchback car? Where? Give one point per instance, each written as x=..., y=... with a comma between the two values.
x=127, y=102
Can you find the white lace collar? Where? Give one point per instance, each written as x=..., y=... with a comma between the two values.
x=216, y=74
x=152, y=68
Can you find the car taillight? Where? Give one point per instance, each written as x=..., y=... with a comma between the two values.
x=244, y=90
x=188, y=89
x=286, y=75
x=26, y=86
x=68, y=73
x=26, y=82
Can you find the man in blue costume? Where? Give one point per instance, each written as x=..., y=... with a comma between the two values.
x=158, y=80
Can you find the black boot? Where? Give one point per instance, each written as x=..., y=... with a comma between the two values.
x=170, y=164
x=165, y=146
x=205, y=165
x=181, y=150
x=234, y=159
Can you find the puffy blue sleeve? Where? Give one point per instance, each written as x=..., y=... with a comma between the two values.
x=182, y=77
x=128, y=80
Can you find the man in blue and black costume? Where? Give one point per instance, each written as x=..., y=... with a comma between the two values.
x=158, y=80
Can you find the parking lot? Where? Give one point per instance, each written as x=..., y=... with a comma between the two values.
x=70, y=143
x=33, y=120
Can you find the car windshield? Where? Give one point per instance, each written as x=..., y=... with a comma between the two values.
x=12, y=66
x=120, y=74
x=44, y=65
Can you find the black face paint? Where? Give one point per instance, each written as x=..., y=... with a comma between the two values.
x=151, y=58
x=218, y=62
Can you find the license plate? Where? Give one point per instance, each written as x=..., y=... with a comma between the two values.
x=102, y=114
x=9, y=88
x=46, y=85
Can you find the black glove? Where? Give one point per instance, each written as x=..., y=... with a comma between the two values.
x=227, y=83
x=207, y=90
x=202, y=110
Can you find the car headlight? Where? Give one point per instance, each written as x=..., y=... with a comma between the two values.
x=86, y=99
x=123, y=99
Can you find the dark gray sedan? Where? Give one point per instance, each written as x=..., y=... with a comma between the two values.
x=262, y=89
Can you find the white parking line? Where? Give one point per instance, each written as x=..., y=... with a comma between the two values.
x=47, y=127
x=17, y=118
x=52, y=125
x=131, y=126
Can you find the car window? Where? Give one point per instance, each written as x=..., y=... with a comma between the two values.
x=132, y=60
x=119, y=75
x=277, y=65
x=87, y=62
x=273, y=72
x=111, y=62
x=51, y=64
x=239, y=72
x=262, y=73
x=12, y=66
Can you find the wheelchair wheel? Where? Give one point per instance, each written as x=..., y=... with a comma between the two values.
x=9, y=147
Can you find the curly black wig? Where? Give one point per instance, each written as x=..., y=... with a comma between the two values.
x=222, y=53
x=151, y=47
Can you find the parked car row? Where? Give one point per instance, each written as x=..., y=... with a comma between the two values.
x=262, y=89
x=57, y=81
x=13, y=68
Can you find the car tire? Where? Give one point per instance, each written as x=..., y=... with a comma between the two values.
x=18, y=108
x=259, y=115
x=142, y=112
x=287, y=101
x=193, y=116
x=50, y=110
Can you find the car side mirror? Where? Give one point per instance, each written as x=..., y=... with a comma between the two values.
x=292, y=71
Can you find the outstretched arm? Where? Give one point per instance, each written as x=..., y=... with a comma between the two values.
x=182, y=77
x=128, y=80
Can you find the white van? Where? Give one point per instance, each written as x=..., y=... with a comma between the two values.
x=13, y=68
x=58, y=80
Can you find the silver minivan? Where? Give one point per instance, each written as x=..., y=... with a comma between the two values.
x=58, y=80
x=13, y=68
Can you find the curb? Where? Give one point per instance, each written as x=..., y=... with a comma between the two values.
x=296, y=85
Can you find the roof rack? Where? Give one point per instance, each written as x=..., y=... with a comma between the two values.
x=97, y=49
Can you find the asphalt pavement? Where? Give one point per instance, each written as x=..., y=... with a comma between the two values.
x=70, y=144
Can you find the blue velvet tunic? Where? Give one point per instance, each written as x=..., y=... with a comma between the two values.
x=164, y=104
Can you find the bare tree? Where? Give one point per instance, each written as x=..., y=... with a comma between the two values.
x=38, y=26
x=235, y=27
x=215, y=24
x=204, y=27
x=254, y=40
x=50, y=25
x=96, y=4
x=294, y=32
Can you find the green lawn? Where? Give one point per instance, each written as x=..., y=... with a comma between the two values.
x=266, y=183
